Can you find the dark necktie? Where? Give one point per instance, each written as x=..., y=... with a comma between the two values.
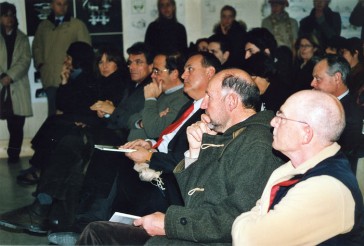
x=57, y=22
x=173, y=126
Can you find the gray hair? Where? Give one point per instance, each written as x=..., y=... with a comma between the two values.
x=337, y=64
x=247, y=91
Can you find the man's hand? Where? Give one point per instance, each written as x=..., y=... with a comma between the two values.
x=137, y=143
x=139, y=156
x=153, y=224
x=6, y=80
x=103, y=107
x=195, y=132
x=153, y=90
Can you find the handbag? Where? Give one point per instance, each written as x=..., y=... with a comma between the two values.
x=6, y=105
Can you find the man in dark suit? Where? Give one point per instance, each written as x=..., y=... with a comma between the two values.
x=329, y=75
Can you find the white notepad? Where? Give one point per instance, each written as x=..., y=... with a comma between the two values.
x=113, y=148
x=123, y=218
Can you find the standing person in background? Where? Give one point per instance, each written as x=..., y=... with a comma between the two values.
x=51, y=41
x=357, y=16
x=233, y=31
x=322, y=22
x=15, y=102
x=283, y=28
x=166, y=34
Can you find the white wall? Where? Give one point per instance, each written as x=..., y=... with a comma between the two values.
x=198, y=16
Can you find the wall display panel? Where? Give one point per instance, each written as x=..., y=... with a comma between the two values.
x=100, y=16
x=37, y=11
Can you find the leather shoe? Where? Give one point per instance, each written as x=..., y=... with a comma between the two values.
x=31, y=218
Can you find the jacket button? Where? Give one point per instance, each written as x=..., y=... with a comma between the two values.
x=183, y=221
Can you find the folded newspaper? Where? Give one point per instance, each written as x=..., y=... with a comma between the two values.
x=112, y=148
x=123, y=218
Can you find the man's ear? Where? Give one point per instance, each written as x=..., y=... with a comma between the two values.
x=210, y=72
x=308, y=134
x=232, y=101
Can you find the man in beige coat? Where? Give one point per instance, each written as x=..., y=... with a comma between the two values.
x=52, y=38
x=14, y=83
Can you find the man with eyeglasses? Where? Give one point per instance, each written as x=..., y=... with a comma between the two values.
x=228, y=161
x=314, y=198
x=330, y=75
x=164, y=97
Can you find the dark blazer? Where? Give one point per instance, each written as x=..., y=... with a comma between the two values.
x=133, y=104
x=351, y=136
x=177, y=146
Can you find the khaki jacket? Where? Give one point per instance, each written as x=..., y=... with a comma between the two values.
x=50, y=45
x=20, y=88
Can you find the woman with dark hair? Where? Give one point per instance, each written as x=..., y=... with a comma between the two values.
x=273, y=92
x=166, y=34
x=78, y=91
x=308, y=51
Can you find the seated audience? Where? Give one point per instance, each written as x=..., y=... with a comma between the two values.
x=308, y=50
x=202, y=45
x=99, y=188
x=66, y=141
x=162, y=156
x=314, y=199
x=215, y=182
x=220, y=47
x=334, y=45
x=79, y=89
x=261, y=40
x=330, y=75
x=273, y=92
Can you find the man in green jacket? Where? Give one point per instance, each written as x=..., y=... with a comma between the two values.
x=227, y=165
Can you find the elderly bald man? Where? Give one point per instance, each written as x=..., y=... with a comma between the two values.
x=314, y=198
x=221, y=176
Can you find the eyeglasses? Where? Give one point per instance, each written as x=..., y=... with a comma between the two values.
x=156, y=71
x=138, y=62
x=280, y=119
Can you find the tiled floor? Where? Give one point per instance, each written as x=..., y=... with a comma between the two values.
x=13, y=196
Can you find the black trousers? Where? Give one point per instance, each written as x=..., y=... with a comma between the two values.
x=15, y=125
x=111, y=233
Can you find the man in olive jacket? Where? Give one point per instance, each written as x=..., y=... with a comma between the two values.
x=220, y=176
x=51, y=41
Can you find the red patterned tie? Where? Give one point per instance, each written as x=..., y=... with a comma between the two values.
x=173, y=126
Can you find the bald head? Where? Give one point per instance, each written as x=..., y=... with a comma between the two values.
x=322, y=111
